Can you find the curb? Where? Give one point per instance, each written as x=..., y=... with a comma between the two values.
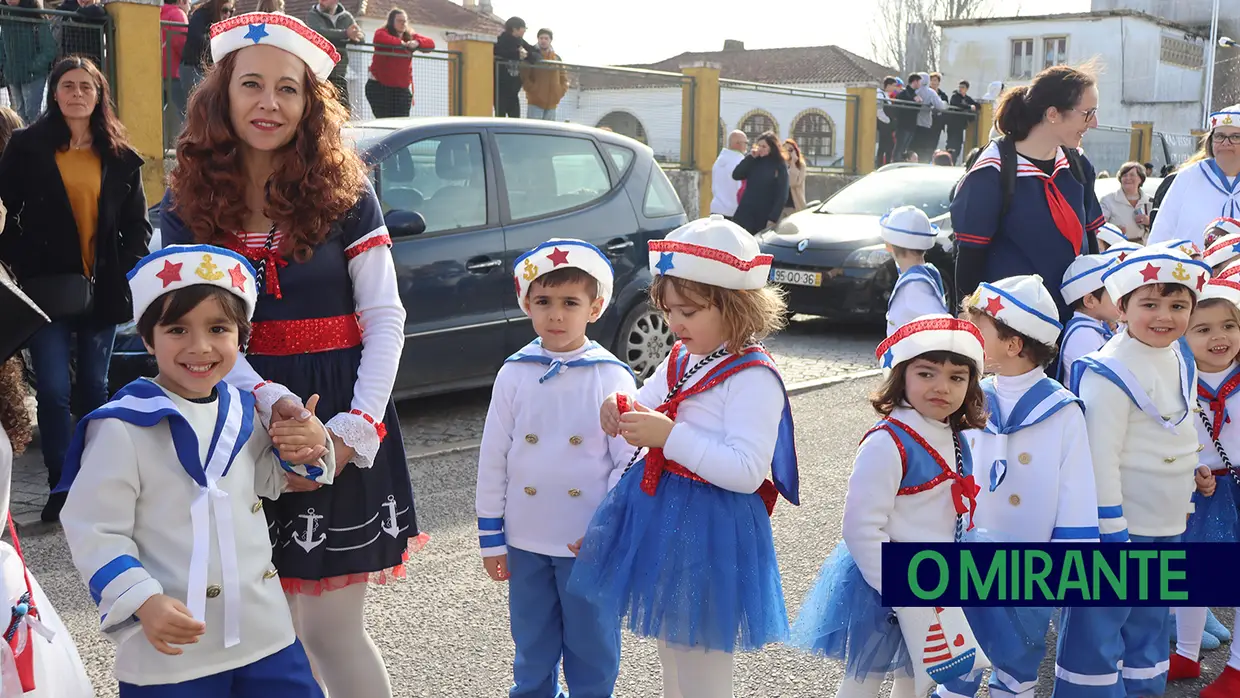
x=31, y=525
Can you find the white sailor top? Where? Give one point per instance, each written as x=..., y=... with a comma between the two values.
x=905, y=487
x=545, y=463
x=1083, y=335
x=1032, y=458
x=1142, y=435
x=1214, y=394
x=918, y=291
x=166, y=501
x=1200, y=193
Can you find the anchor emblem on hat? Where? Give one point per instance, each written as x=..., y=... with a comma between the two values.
x=1180, y=273
x=530, y=271
x=208, y=270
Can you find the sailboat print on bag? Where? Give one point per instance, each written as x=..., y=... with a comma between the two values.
x=937, y=655
x=941, y=643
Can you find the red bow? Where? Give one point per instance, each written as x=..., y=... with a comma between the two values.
x=964, y=496
x=656, y=462
x=1218, y=407
x=273, y=260
x=1066, y=220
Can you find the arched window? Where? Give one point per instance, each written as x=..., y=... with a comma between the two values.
x=756, y=122
x=625, y=124
x=815, y=133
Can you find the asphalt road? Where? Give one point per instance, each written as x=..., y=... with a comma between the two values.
x=444, y=630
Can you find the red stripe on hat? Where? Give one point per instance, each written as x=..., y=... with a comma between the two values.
x=938, y=323
x=1225, y=283
x=711, y=254
x=285, y=21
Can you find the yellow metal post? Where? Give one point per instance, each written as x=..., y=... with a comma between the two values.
x=473, y=82
x=985, y=120
x=699, y=126
x=1142, y=143
x=139, y=85
x=861, y=129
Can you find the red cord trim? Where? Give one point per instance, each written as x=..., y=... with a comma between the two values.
x=710, y=253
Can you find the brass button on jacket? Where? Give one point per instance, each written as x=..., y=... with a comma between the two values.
x=270, y=574
x=575, y=440
x=574, y=492
x=531, y=438
x=531, y=491
x=1025, y=459
x=1014, y=500
x=213, y=591
x=258, y=506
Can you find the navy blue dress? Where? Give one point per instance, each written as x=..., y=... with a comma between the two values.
x=359, y=528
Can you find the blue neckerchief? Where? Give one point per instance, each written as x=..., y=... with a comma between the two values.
x=1040, y=402
x=1227, y=187
x=1114, y=371
x=594, y=354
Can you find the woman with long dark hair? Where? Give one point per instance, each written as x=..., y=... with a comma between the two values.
x=1207, y=188
x=28, y=49
x=196, y=53
x=76, y=225
x=1047, y=217
x=262, y=168
x=765, y=190
x=390, y=87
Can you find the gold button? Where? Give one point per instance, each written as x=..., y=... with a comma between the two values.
x=269, y=574
x=258, y=506
x=1200, y=447
x=1025, y=458
x=575, y=440
x=1014, y=500
x=213, y=591
x=1169, y=459
x=574, y=492
x=531, y=438
x=531, y=491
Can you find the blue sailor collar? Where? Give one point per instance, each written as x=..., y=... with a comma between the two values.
x=592, y=353
x=1229, y=187
x=1115, y=371
x=921, y=273
x=1042, y=400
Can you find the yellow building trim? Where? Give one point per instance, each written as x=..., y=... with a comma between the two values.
x=699, y=127
x=861, y=129
x=477, y=76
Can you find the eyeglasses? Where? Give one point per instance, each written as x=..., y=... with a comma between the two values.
x=1089, y=114
x=226, y=11
x=1221, y=138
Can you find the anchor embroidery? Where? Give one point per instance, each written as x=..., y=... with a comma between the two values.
x=308, y=542
x=530, y=271
x=390, y=526
x=208, y=270
x=1180, y=273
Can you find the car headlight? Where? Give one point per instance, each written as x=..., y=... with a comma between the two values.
x=871, y=257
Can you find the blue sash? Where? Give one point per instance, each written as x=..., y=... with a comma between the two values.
x=1080, y=323
x=594, y=354
x=1116, y=372
x=1038, y=404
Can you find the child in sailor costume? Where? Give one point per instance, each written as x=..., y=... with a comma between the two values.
x=919, y=289
x=1109, y=236
x=682, y=546
x=1222, y=241
x=1140, y=395
x=545, y=465
x=163, y=515
x=1201, y=192
x=1093, y=310
x=1037, y=481
x=912, y=481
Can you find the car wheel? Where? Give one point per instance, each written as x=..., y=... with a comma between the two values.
x=645, y=340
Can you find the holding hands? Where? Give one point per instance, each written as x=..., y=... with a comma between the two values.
x=299, y=437
x=168, y=622
x=1205, y=481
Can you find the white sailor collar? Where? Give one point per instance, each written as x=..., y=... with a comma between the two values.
x=1024, y=167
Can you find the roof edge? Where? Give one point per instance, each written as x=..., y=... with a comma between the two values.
x=1098, y=14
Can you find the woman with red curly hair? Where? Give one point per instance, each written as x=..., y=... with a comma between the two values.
x=262, y=169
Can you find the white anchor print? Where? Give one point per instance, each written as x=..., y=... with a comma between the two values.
x=309, y=542
x=390, y=526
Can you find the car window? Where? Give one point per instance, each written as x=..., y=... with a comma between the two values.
x=927, y=188
x=443, y=178
x=621, y=157
x=548, y=174
x=661, y=197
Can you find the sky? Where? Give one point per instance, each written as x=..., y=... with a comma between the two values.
x=646, y=31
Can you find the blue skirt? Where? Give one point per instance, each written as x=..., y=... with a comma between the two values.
x=693, y=564
x=1215, y=519
x=844, y=618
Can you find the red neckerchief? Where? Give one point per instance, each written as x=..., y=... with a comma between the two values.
x=257, y=255
x=964, y=488
x=1218, y=403
x=1066, y=220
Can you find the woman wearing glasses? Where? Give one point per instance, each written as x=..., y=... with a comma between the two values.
x=196, y=54
x=1206, y=189
x=1040, y=223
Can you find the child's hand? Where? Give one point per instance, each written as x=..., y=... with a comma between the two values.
x=168, y=622
x=575, y=548
x=297, y=483
x=609, y=416
x=1205, y=481
x=496, y=567
x=643, y=427
x=300, y=441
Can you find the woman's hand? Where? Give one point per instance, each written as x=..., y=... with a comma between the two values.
x=297, y=483
x=344, y=452
x=1142, y=220
x=299, y=442
x=645, y=428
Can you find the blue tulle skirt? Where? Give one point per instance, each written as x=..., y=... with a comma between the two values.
x=1215, y=518
x=693, y=564
x=844, y=618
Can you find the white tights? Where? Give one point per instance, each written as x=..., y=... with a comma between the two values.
x=345, y=660
x=694, y=673
x=901, y=687
x=1190, y=623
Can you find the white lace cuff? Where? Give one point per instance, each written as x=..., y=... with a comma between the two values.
x=361, y=433
x=266, y=395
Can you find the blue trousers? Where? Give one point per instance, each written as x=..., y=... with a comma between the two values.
x=548, y=623
x=1014, y=659
x=285, y=674
x=1114, y=652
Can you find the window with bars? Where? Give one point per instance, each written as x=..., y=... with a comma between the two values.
x=756, y=124
x=815, y=134
x=1022, y=59
x=1054, y=51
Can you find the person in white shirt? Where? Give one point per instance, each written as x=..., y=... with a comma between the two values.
x=163, y=515
x=682, y=546
x=1034, y=465
x=1128, y=208
x=1093, y=311
x=918, y=291
x=1222, y=243
x=906, y=475
x=1139, y=393
x=725, y=191
x=545, y=464
x=1205, y=189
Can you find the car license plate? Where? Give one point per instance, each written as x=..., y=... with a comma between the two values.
x=798, y=278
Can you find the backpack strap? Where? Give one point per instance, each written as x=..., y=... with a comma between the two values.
x=1007, y=172
x=1074, y=164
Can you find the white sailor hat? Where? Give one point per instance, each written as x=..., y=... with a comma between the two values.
x=1188, y=247
x=279, y=30
x=1225, y=289
x=711, y=251
x=1155, y=265
x=1227, y=117
x=1224, y=226
x=1229, y=272
x=908, y=227
x=932, y=333
x=1084, y=276
x=1022, y=303
x=1121, y=251
x=178, y=266
x=1111, y=235
x=558, y=253
x=1224, y=249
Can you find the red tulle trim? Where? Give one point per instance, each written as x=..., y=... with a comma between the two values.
x=316, y=587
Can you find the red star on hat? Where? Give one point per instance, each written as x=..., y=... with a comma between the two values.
x=170, y=273
x=558, y=257
x=1150, y=272
x=1201, y=282
x=994, y=305
x=238, y=278
x=1122, y=255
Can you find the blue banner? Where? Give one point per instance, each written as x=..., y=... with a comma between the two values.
x=1060, y=574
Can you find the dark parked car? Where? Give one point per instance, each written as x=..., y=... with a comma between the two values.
x=488, y=190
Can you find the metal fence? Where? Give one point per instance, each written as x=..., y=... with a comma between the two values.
x=1108, y=148
x=33, y=41
x=818, y=121
x=1172, y=149
x=904, y=134
x=171, y=39
x=645, y=105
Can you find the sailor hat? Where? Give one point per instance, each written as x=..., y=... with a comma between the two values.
x=1224, y=289
x=1227, y=117
x=1111, y=235
x=558, y=253
x=1155, y=265
x=1084, y=276
x=712, y=251
x=179, y=266
x=932, y=333
x=1188, y=247
x=1022, y=303
x=1122, y=250
x=908, y=227
x=1228, y=272
x=1222, y=250
x=279, y=30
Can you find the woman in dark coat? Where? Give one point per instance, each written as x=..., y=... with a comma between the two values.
x=766, y=185
x=511, y=48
